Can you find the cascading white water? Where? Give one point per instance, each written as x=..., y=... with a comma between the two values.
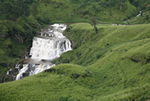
x=49, y=45
x=8, y=72
x=140, y=12
x=49, y=48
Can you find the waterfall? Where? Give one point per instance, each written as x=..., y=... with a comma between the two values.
x=49, y=45
x=48, y=48
x=139, y=14
x=8, y=72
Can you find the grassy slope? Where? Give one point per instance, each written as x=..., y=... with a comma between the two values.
x=114, y=65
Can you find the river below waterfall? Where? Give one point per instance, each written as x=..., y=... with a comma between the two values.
x=46, y=46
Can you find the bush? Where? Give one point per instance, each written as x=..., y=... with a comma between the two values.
x=45, y=19
x=34, y=10
x=28, y=36
x=98, y=56
x=64, y=98
x=15, y=12
x=7, y=9
x=78, y=54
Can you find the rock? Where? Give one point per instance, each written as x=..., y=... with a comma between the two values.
x=50, y=70
x=74, y=75
x=3, y=64
x=2, y=36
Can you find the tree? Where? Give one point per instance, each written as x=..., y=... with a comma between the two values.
x=29, y=1
x=26, y=10
x=15, y=12
x=23, y=6
x=121, y=4
x=28, y=36
x=2, y=1
x=93, y=23
x=7, y=9
x=75, y=1
x=110, y=6
x=34, y=10
x=130, y=10
x=3, y=29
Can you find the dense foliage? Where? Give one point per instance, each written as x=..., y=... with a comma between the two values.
x=15, y=14
x=114, y=61
x=17, y=28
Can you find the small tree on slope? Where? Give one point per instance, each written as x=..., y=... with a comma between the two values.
x=92, y=21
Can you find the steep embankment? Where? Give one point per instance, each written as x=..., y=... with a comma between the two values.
x=115, y=66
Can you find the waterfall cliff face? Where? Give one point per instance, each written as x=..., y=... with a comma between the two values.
x=50, y=44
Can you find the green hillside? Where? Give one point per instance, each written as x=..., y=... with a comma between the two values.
x=113, y=65
x=20, y=20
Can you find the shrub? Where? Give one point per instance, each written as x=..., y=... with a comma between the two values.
x=98, y=55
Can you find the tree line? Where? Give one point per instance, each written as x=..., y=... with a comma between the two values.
x=15, y=19
x=13, y=9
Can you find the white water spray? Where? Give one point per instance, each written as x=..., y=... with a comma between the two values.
x=140, y=12
x=49, y=45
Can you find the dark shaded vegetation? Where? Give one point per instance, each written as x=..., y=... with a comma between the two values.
x=18, y=25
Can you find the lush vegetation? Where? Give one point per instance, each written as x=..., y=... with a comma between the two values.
x=18, y=25
x=114, y=65
x=80, y=10
x=105, y=11
x=144, y=6
x=107, y=63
